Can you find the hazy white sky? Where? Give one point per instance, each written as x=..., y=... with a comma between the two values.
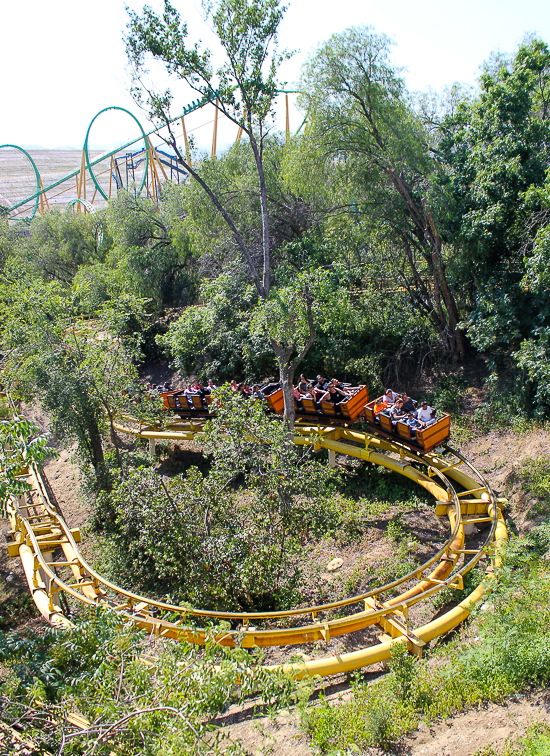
x=62, y=61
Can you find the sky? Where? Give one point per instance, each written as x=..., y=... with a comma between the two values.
x=64, y=61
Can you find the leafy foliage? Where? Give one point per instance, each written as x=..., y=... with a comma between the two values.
x=61, y=243
x=216, y=339
x=151, y=253
x=21, y=446
x=228, y=538
x=77, y=368
x=100, y=670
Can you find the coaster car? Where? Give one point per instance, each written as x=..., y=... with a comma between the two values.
x=422, y=440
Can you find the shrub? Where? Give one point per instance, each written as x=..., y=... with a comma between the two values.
x=228, y=538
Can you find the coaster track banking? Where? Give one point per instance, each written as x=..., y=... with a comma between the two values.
x=39, y=532
x=103, y=175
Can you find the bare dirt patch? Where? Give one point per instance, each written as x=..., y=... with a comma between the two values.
x=159, y=372
x=499, y=455
x=64, y=478
x=472, y=730
x=496, y=453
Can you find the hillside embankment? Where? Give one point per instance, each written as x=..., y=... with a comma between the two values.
x=509, y=460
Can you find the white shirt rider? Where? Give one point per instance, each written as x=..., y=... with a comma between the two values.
x=424, y=414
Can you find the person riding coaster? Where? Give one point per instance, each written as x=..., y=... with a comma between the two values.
x=396, y=412
x=390, y=397
x=333, y=394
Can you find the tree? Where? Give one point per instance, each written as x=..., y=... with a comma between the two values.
x=10, y=241
x=360, y=112
x=495, y=151
x=494, y=148
x=243, y=89
x=21, y=446
x=78, y=369
x=151, y=252
x=96, y=668
x=533, y=355
x=60, y=243
x=216, y=340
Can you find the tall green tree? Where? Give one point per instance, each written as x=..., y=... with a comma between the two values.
x=243, y=88
x=362, y=116
x=151, y=253
x=61, y=242
x=533, y=355
x=495, y=150
x=79, y=369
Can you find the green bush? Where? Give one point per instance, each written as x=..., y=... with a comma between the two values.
x=448, y=393
x=405, y=672
x=230, y=538
x=535, y=475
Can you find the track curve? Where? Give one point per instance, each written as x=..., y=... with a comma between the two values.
x=39, y=533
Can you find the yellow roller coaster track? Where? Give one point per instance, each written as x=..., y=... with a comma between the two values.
x=39, y=535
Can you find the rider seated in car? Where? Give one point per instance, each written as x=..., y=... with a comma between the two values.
x=334, y=395
x=338, y=386
x=322, y=383
x=390, y=397
x=409, y=405
x=396, y=412
x=414, y=423
x=302, y=384
x=424, y=413
x=379, y=406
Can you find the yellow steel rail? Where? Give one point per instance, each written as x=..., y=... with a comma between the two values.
x=39, y=530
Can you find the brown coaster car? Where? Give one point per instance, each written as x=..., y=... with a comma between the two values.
x=184, y=407
x=274, y=399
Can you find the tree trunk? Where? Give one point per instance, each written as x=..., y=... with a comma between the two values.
x=286, y=378
x=429, y=239
x=459, y=346
x=115, y=440
x=266, y=246
x=287, y=368
x=98, y=458
x=286, y=373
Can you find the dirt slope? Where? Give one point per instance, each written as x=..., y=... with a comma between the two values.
x=498, y=455
x=463, y=735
